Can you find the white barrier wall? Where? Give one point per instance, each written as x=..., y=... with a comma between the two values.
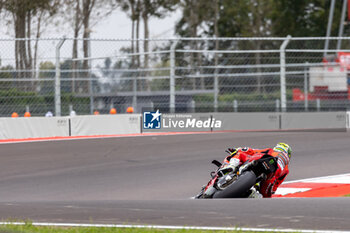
x=314, y=120
x=247, y=121
x=40, y=127
x=34, y=127
x=105, y=125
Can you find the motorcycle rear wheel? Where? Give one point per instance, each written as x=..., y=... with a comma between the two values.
x=239, y=187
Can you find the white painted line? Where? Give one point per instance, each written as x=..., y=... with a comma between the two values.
x=333, y=180
x=284, y=191
x=323, y=178
x=172, y=227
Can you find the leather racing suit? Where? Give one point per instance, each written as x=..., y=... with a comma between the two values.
x=270, y=185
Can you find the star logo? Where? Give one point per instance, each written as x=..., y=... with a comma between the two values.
x=156, y=116
x=152, y=120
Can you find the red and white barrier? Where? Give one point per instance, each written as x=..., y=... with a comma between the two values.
x=328, y=186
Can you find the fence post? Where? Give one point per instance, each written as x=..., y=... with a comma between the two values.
x=91, y=90
x=216, y=81
x=172, y=77
x=283, y=73
x=134, y=93
x=235, y=106
x=329, y=28
x=341, y=25
x=318, y=105
x=216, y=90
x=277, y=103
x=193, y=106
x=58, y=79
x=306, y=91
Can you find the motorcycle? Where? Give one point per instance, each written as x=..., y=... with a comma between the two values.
x=228, y=183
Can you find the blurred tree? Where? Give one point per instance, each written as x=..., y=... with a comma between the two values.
x=303, y=17
x=194, y=15
x=87, y=7
x=6, y=72
x=23, y=12
x=84, y=14
x=154, y=8
x=259, y=25
x=134, y=7
x=46, y=71
x=145, y=9
x=194, y=22
x=258, y=18
x=252, y=18
x=75, y=17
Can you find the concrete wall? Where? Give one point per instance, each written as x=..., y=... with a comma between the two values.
x=257, y=121
x=105, y=125
x=314, y=120
x=248, y=121
x=34, y=127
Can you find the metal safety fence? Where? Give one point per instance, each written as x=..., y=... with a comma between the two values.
x=174, y=75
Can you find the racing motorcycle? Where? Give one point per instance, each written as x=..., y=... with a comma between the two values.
x=228, y=183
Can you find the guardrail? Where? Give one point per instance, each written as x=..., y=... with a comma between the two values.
x=41, y=127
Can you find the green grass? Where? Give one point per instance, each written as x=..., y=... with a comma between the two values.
x=29, y=228
x=347, y=195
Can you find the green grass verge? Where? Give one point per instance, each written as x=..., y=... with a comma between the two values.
x=29, y=228
x=347, y=195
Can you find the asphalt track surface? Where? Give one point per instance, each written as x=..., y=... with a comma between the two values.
x=149, y=180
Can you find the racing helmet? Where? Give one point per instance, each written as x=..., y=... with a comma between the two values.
x=283, y=147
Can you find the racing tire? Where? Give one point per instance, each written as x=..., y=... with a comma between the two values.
x=239, y=187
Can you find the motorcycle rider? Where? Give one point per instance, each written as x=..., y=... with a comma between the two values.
x=281, y=151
